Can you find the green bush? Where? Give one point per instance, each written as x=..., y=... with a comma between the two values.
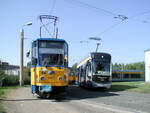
x=12, y=80
x=27, y=80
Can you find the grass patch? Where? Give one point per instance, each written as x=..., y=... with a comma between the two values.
x=1, y=109
x=6, y=88
x=141, y=87
x=3, y=90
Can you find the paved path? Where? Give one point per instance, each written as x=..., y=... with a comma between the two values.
x=78, y=101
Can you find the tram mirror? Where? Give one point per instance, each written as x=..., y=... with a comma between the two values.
x=66, y=61
x=28, y=54
x=66, y=58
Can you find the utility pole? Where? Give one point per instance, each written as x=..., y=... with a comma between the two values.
x=21, y=57
x=21, y=54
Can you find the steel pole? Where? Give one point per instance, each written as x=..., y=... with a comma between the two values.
x=97, y=46
x=21, y=57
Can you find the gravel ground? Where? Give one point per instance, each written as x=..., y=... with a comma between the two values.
x=78, y=101
x=132, y=101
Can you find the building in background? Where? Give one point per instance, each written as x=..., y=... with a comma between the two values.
x=147, y=65
x=10, y=69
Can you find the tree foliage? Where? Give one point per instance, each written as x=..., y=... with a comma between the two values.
x=132, y=66
x=1, y=70
x=74, y=67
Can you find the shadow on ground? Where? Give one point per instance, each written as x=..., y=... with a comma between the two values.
x=76, y=93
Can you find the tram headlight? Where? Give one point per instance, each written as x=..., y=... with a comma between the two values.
x=43, y=70
x=60, y=78
x=42, y=78
x=50, y=72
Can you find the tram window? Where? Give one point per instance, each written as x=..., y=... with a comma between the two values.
x=126, y=75
x=51, y=53
x=34, y=55
x=82, y=72
x=34, y=49
x=51, y=59
x=100, y=66
x=135, y=75
x=89, y=70
x=138, y=76
x=65, y=55
x=46, y=44
x=116, y=75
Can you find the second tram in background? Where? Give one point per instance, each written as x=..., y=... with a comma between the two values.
x=127, y=75
x=72, y=77
x=95, y=71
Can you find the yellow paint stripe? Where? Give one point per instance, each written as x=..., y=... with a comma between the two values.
x=84, y=61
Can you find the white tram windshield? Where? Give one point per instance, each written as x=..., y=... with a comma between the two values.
x=51, y=53
x=101, y=68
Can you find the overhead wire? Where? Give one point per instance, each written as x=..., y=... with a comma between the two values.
x=112, y=26
x=93, y=7
x=131, y=17
x=53, y=6
x=139, y=14
x=115, y=15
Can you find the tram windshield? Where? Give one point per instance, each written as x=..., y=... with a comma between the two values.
x=101, y=68
x=51, y=53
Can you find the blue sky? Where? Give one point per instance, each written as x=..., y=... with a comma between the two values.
x=77, y=22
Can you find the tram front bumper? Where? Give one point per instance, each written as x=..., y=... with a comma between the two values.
x=105, y=85
x=45, y=88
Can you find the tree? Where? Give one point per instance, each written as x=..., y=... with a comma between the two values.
x=74, y=67
x=118, y=66
x=132, y=66
x=1, y=69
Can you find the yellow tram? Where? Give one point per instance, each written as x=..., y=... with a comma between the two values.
x=49, y=66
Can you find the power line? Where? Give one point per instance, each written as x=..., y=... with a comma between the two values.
x=112, y=26
x=124, y=18
x=92, y=7
x=115, y=15
x=53, y=6
x=139, y=14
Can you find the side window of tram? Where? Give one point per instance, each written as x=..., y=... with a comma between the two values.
x=34, y=54
x=89, y=69
x=65, y=55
